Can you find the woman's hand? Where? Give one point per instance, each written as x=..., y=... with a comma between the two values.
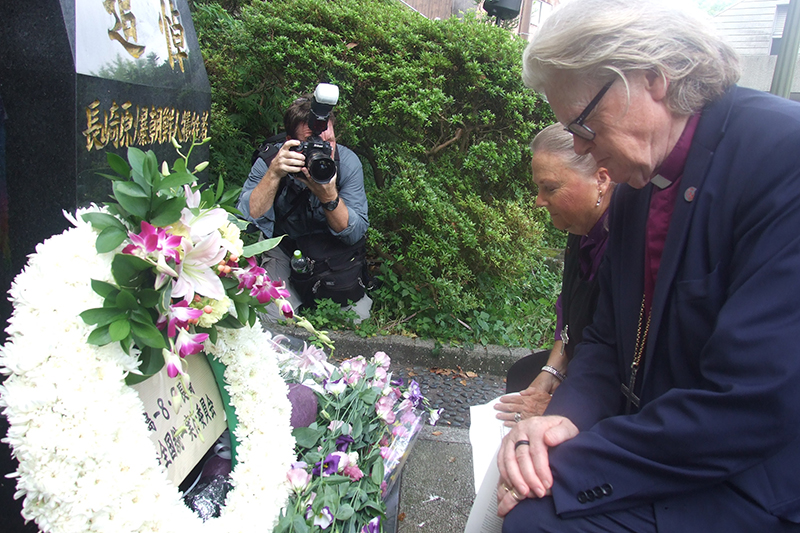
x=530, y=402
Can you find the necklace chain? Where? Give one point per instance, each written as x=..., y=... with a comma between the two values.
x=641, y=342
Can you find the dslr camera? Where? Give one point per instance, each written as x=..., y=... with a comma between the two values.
x=319, y=162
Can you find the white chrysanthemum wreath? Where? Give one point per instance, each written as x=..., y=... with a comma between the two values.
x=85, y=460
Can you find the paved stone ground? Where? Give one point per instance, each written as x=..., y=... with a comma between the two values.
x=452, y=389
x=437, y=488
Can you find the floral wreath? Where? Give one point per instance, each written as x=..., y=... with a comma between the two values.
x=83, y=466
x=118, y=306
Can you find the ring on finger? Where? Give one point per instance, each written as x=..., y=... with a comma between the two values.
x=516, y=496
x=517, y=417
x=521, y=443
x=505, y=487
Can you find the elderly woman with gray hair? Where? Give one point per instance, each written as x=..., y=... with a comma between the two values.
x=680, y=412
x=576, y=193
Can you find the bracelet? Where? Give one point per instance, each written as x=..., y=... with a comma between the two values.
x=552, y=370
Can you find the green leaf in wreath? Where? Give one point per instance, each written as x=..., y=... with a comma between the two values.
x=299, y=524
x=119, y=330
x=118, y=165
x=103, y=288
x=370, y=396
x=106, y=317
x=141, y=315
x=168, y=211
x=261, y=247
x=229, y=283
x=99, y=337
x=230, y=195
x=242, y=311
x=98, y=314
x=150, y=172
x=357, y=427
x=136, y=158
x=132, y=198
x=148, y=297
x=148, y=335
x=230, y=322
x=127, y=269
x=176, y=180
x=126, y=300
x=109, y=239
x=101, y=221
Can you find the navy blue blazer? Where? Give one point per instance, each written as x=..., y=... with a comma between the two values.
x=720, y=398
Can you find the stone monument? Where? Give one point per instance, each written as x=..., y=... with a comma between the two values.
x=79, y=78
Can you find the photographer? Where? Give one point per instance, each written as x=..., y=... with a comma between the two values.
x=322, y=211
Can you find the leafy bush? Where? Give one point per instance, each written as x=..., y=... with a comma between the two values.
x=439, y=116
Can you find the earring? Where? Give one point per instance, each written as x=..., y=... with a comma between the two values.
x=599, y=198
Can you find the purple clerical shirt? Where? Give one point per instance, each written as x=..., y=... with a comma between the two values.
x=662, y=203
x=590, y=253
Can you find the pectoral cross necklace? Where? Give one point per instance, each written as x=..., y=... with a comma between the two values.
x=641, y=342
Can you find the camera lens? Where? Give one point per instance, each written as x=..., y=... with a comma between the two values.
x=321, y=167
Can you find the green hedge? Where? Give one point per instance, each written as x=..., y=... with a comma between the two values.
x=439, y=116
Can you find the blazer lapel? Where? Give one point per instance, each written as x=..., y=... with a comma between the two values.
x=635, y=206
x=708, y=134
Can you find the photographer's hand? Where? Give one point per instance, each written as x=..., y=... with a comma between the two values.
x=339, y=217
x=285, y=162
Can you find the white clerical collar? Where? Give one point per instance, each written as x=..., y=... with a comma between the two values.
x=660, y=181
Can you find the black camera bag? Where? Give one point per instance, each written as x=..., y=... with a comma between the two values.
x=337, y=270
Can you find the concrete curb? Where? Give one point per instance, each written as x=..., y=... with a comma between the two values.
x=491, y=359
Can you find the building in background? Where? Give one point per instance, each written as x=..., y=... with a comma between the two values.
x=532, y=12
x=755, y=30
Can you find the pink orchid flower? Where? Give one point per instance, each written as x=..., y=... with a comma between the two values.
x=179, y=316
x=153, y=241
x=285, y=307
x=188, y=343
x=173, y=362
x=249, y=277
x=269, y=290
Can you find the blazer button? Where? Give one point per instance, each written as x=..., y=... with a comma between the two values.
x=598, y=492
x=582, y=497
x=590, y=495
x=607, y=489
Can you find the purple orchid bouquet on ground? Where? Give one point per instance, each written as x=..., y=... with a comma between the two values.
x=348, y=458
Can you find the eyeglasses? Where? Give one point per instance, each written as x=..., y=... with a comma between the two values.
x=577, y=127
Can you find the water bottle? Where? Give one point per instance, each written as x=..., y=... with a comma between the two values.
x=299, y=263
